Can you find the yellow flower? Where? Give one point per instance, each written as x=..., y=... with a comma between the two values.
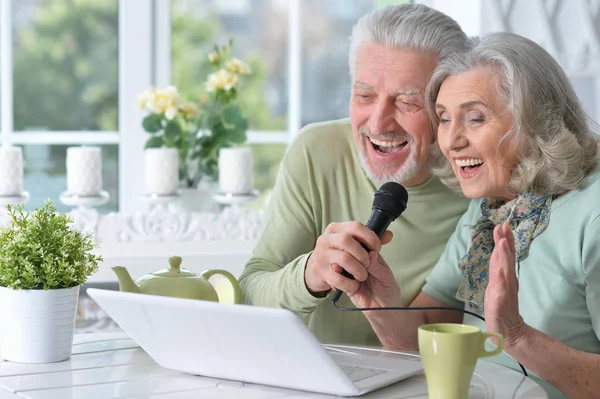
x=143, y=97
x=238, y=66
x=166, y=101
x=213, y=57
x=189, y=110
x=222, y=79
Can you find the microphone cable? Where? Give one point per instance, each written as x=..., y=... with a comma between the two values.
x=335, y=305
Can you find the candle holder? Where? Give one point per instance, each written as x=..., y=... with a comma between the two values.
x=160, y=199
x=14, y=199
x=84, y=201
x=236, y=199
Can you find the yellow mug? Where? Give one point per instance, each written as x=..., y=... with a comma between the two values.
x=449, y=353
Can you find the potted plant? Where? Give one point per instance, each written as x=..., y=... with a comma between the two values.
x=172, y=123
x=43, y=262
x=198, y=128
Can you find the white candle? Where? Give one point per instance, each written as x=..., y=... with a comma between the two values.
x=161, y=171
x=84, y=171
x=236, y=170
x=11, y=171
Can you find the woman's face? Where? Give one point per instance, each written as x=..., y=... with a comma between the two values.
x=473, y=118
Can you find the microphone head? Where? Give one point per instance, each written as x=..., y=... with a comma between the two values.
x=391, y=198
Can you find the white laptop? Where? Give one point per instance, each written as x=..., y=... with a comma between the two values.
x=246, y=343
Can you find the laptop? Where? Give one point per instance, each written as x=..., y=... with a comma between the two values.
x=245, y=343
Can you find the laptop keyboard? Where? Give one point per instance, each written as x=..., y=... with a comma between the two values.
x=357, y=373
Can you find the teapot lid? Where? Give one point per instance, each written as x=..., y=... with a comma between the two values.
x=174, y=270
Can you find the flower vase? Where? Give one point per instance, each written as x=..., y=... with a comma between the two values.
x=196, y=199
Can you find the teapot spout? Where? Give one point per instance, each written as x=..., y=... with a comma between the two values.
x=126, y=283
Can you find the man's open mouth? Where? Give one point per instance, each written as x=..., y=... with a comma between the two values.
x=388, y=147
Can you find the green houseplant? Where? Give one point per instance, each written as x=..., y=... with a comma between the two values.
x=43, y=262
x=199, y=128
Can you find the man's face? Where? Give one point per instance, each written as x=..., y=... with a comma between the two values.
x=389, y=120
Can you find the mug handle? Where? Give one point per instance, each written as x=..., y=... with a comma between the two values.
x=237, y=290
x=495, y=352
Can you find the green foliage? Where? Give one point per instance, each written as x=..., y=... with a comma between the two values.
x=227, y=128
x=65, y=63
x=41, y=250
x=152, y=123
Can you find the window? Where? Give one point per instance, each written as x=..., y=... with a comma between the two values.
x=64, y=89
x=71, y=71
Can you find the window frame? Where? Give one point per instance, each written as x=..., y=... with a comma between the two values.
x=144, y=59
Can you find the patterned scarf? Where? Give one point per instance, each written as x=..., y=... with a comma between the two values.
x=527, y=215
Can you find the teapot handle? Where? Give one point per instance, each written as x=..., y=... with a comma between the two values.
x=237, y=290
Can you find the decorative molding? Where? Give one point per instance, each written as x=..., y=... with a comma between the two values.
x=166, y=225
x=163, y=224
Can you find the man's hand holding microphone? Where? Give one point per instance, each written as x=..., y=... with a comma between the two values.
x=346, y=257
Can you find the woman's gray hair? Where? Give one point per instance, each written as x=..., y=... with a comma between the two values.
x=410, y=26
x=556, y=141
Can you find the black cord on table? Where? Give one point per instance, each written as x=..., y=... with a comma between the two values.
x=335, y=305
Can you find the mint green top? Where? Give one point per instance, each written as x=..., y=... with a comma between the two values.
x=321, y=181
x=559, y=282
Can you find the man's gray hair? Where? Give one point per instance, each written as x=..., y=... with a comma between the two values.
x=408, y=26
x=556, y=141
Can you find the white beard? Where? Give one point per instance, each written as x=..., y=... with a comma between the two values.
x=406, y=172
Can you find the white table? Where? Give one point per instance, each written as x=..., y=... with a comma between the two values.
x=110, y=365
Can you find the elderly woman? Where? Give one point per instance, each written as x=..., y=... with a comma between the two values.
x=516, y=140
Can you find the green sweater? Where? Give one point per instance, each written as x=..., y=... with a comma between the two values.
x=321, y=181
x=559, y=282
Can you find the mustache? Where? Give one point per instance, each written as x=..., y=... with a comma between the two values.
x=365, y=132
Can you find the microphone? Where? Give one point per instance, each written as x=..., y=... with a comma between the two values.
x=389, y=202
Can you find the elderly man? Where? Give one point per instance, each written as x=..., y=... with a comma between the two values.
x=325, y=187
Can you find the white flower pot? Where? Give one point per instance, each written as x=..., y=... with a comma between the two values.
x=37, y=326
x=196, y=199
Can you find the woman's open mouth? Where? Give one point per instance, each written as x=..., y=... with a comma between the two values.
x=469, y=166
x=388, y=147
